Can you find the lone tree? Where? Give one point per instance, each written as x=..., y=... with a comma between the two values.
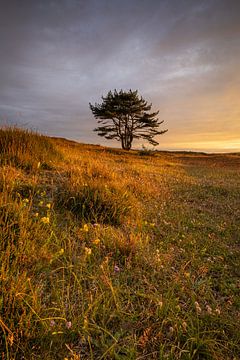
x=125, y=116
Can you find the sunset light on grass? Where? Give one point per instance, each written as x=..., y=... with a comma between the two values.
x=119, y=179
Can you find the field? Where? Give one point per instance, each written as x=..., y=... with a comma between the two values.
x=108, y=254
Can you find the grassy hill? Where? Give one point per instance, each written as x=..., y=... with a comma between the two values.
x=107, y=254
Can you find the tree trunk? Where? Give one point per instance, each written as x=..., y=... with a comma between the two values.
x=126, y=141
x=122, y=142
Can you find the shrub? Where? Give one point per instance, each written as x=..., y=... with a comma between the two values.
x=147, y=152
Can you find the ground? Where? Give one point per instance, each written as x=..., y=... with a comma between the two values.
x=108, y=254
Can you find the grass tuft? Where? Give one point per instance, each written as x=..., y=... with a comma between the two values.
x=26, y=149
x=96, y=203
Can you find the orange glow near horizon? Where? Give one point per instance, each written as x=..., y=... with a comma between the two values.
x=183, y=57
x=209, y=146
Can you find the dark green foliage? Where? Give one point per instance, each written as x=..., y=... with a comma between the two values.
x=125, y=116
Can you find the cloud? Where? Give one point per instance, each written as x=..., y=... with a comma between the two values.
x=183, y=56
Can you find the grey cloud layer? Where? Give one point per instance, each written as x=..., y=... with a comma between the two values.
x=56, y=56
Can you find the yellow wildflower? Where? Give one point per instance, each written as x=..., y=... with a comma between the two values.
x=88, y=251
x=48, y=205
x=85, y=228
x=96, y=241
x=45, y=220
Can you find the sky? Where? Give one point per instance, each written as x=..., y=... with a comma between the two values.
x=183, y=56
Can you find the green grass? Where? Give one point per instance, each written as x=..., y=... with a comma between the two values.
x=110, y=255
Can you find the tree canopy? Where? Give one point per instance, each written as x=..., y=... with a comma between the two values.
x=124, y=116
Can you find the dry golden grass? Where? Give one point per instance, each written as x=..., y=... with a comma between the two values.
x=108, y=254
